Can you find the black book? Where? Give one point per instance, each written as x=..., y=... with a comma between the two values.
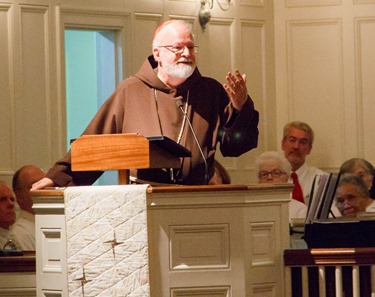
x=170, y=145
x=321, y=196
x=329, y=196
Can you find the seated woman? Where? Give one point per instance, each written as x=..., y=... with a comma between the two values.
x=272, y=168
x=363, y=169
x=221, y=175
x=352, y=196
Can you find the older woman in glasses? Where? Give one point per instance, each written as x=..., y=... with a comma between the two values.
x=273, y=168
x=362, y=168
x=352, y=196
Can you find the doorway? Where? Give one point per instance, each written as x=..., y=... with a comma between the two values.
x=91, y=65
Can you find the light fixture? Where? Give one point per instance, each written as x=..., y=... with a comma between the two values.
x=205, y=14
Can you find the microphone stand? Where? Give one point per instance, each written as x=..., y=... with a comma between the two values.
x=180, y=106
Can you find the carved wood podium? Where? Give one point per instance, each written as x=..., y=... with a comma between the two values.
x=123, y=152
x=224, y=240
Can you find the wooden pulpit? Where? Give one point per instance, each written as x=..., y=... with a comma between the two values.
x=123, y=152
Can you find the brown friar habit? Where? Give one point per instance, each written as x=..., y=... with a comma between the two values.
x=144, y=104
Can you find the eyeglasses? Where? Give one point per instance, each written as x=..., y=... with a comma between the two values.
x=274, y=173
x=180, y=49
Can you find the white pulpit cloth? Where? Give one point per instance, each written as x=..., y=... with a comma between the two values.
x=107, y=247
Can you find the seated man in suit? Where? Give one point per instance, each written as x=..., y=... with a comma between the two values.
x=352, y=196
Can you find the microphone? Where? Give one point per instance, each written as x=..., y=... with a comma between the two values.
x=180, y=106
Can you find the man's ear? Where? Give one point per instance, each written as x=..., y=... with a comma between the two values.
x=156, y=54
x=309, y=151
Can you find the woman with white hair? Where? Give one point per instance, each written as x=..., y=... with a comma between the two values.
x=273, y=168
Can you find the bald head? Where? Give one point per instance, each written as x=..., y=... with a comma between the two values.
x=22, y=182
x=168, y=28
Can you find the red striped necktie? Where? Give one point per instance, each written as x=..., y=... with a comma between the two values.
x=297, y=190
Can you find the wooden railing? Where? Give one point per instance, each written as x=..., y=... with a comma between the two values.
x=25, y=263
x=17, y=275
x=339, y=272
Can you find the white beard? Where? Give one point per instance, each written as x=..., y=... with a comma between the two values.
x=179, y=70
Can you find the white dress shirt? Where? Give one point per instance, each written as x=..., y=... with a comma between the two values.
x=306, y=175
x=4, y=236
x=371, y=207
x=24, y=231
x=297, y=209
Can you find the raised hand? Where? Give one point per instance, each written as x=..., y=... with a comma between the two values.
x=236, y=88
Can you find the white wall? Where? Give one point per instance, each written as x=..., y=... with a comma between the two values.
x=305, y=60
x=324, y=73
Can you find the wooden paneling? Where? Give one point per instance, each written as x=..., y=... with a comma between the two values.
x=311, y=3
x=7, y=127
x=305, y=59
x=215, y=49
x=199, y=247
x=33, y=101
x=144, y=25
x=253, y=63
x=252, y=3
x=314, y=47
x=217, y=241
x=323, y=69
x=35, y=127
x=365, y=48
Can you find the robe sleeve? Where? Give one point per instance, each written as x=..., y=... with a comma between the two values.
x=240, y=132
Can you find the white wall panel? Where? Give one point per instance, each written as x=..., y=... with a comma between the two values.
x=253, y=57
x=199, y=247
x=146, y=6
x=324, y=58
x=259, y=245
x=309, y=3
x=215, y=49
x=365, y=44
x=264, y=290
x=201, y=292
x=144, y=25
x=364, y=1
x=40, y=69
x=33, y=96
x=99, y=5
x=7, y=128
x=314, y=48
x=252, y=3
x=182, y=8
x=305, y=59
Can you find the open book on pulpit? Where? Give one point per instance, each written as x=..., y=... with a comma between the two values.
x=123, y=152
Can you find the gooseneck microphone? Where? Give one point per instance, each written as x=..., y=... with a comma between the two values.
x=180, y=106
